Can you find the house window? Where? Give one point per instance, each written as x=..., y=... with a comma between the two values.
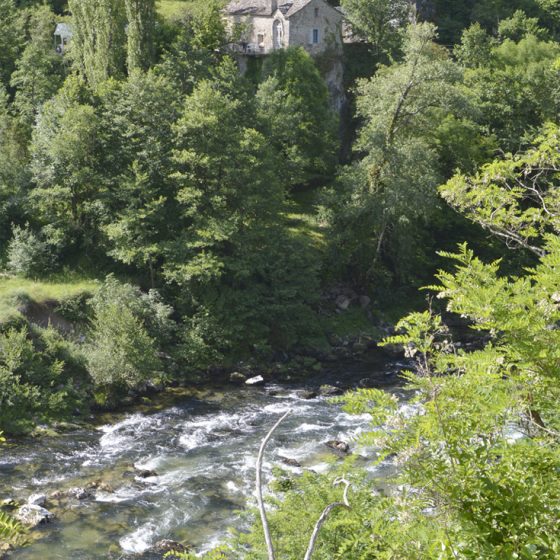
x=315, y=36
x=316, y=12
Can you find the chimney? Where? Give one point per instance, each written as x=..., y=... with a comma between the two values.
x=273, y=6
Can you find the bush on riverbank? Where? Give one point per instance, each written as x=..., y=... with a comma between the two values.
x=42, y=378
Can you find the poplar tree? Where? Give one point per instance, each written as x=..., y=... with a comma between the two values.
x=98, y=44
x=141, y=19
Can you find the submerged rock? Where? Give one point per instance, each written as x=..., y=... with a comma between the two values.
x=9, y=503
x=33, y=515
x=393, y=350
x=257, y=380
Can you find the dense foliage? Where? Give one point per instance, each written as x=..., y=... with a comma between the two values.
x=210, y=210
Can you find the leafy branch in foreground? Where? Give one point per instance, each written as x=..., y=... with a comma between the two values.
x=515, y=198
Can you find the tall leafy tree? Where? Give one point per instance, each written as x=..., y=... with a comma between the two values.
x=514, y=87
x=39, y=71
x=11, y=39
x=141, y=16
x=66, y=167
x=232, y=262
x=99, y=40
x=293, y=106
x=138, y=115
x=390, y=192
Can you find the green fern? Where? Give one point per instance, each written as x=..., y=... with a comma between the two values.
x=11, y=531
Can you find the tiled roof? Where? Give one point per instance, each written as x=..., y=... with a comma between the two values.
x=63, y=30
x=249, y=7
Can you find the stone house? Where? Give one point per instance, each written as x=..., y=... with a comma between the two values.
x=267, y=25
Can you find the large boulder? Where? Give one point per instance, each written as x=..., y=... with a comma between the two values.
x=33, y=515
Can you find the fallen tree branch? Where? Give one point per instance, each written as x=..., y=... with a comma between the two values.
x=325, y=515
x=266, y=529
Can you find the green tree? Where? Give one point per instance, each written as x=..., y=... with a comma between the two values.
x=11, y=39
x=378, y=21
x=141, y=17
x=126, y=334
x=230, y=258
x=68, y=191
x=137, y=117
x=39, y=71
x=293, y=106
x=516, y=89
x=386, y=197
x=14, y=171
x=99, y=40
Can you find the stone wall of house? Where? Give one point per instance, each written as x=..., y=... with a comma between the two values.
x=316, y=15
x=261, y=25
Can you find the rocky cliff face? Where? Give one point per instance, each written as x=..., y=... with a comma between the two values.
x=334, y=76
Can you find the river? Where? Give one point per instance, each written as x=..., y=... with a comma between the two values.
x=201, y=448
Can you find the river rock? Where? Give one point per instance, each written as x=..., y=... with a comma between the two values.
x=145, y=473
x=329, y=390
x=101, y=486
x=5, y=549
x=343, y=302
x=37, y=500
x=33, y=515
x=79, y=493
x=56, y=495
x=290, y=462
x=9, y=503
x=237, y=378
x=167, y=545
x=257, y=380
x=338, y=445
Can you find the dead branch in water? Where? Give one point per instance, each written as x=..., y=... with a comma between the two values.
x=323, y=517
x=260, y=502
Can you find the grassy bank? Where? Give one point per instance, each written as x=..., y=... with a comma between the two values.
x=14, y=292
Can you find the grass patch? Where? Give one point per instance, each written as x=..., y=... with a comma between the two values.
x=301, y=219
x=15, y=290
x=170, y=9
x=353, y=320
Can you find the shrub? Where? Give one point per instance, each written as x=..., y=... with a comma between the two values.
x=127, y=332
x=28, y=254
